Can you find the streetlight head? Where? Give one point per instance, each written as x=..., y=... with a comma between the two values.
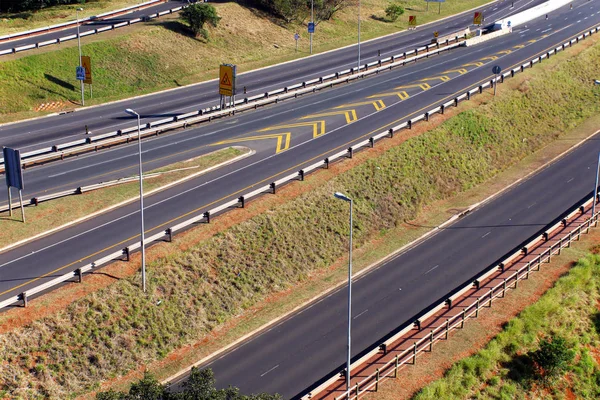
x=80, y=9
x=131, y=112
x=341, y=196
x=596, y=82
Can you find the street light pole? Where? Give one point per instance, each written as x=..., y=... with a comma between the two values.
x=343, y=197
x=133, y=113
x=79, y=45
x=595, y=189
x=358, y=35
x=312, y=20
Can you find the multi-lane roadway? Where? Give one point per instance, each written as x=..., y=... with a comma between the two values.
x=300, y=351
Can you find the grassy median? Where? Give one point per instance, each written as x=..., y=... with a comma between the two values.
x=55, y=213
x=114, y=331
x=161, y=54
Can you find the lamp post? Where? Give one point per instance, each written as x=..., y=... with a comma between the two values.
x=312, y=20
x=79, y=45
x=343, y=197
x=358, y=36
x=595, y=193
x=133, y=113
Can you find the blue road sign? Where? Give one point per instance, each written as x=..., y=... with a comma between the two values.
x=496, y=69
x=80, y=73
x=311, y=27
x=12, y=168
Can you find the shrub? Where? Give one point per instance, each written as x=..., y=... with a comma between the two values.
x=393, y=11
x=196, y=15
x=553, y=357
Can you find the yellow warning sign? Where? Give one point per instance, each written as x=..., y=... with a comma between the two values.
x=478, y=18
x=436, y=34
x=412, y=21
x=87, y=64
x=227, y=80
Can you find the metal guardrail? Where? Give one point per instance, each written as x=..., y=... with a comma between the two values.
x=92, y=143
x=270, y=188
x=87, y=33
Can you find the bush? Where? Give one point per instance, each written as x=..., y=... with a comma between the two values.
x=196, y=15
x=32, y=5
x=552, y=358
x=393, y=11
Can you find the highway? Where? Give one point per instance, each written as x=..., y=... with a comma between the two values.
x=300, y=351
x=51, y=130
x=91, y=25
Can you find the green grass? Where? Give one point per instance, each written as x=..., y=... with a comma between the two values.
x=501, y=370
x=54, y=213
x=113, y=331
x=161, y=55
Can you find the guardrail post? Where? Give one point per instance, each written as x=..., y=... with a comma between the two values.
x=396, y=367
x=570, y=239
x=357, y=390
x=79, y=275
x=480, y=88
x=350, y=152
x=414, y=353
x=431, y=340
x=447, y=328
x=242, y=201
x=462, y=322
x=207, y=216
x=442, y=109
x=528, y=270
x=127, y=254
x=449, y=303
x=301, y=174
x=504, y=288
x=273, y=186
x=539, y=262
x=377, y=379
x=477, y=308
x=468, y=95
x=418, y=325
x=326, y=162
x=426, y=116
x=169, y=233
x=491, y=296
x=409, y=124
x=391, y=131
x=517, y=279
x=383, y=347
x=24, y=297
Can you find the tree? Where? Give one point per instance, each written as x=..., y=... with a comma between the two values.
x=393, y=11
x=196, y=15
x=326, y=9
x=552, y=358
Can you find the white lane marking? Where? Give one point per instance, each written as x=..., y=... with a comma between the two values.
x=546, y=30
x=486, y=234
x=538, y=29
x=532, y=204
x=361, y=314
x=431, y=269
x=570, y=180
x=525, y=30
x=95, y=165
x=578, y=20
x=586, y=18
x=269, y=370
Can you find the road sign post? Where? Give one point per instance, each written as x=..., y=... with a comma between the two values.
x=227, y=76
x=496, y=70
x=296, y=38
x=86, y=63
x=412, y=21
x=478, y=18
x=14, y=176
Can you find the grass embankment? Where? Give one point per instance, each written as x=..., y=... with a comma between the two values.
x=53, y=213
x=116, y=329
x=27, y=20
x=502, y=369
x=161, y=54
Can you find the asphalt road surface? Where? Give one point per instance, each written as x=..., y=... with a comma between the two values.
x=45, y=132
x=302, y=350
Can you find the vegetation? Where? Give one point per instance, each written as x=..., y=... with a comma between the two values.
x=31, y=5
x=116, y=329
x=394, y=11
x=196, y=15
x=199, y=386
x=555, y=340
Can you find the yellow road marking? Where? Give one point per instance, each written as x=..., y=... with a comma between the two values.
x=423, y=86
x=491, y=58
x=378, y=104
x=519, y=46
x=268, y=179
x=281, y=145
x=473, y=64
x=349, y=114
x=459, y=70
x=532, y=41
x=315, y=124
x=504, y=52
x=443, y=78
x=402, y=94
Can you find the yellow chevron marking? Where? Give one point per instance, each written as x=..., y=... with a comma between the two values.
x=315, y=124
x=473, y=64
x=443, y=78
x=544, y=36
x=349, y=114
x=532, y=41
x=402, y=94
x=519, y=46
x=423, y=86
x=459, y=70
x=504, y=52
x=491, y=58
x=281, y=144
x=378, y=104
